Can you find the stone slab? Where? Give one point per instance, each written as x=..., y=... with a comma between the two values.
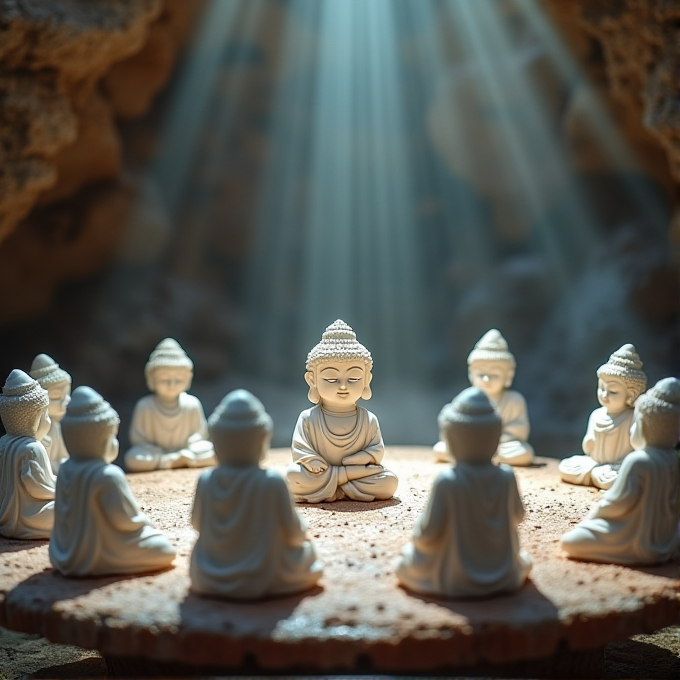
x=358, y=616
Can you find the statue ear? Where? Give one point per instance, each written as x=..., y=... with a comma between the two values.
x=313, y=394
x=149, y=380
x=367, y=394
x=509, y=377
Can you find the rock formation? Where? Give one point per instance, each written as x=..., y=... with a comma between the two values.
x=69, y=68
x=639, y=53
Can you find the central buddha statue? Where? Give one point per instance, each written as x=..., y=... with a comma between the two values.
x=337, y=446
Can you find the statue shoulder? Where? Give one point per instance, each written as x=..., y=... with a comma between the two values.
x=108, y=472
x=639, y=460
x=273, y=480
x=369, y=416
x=189, y=401
x=33, y=448
x=308, y=414
x=515, y=397
x=446, y=479
x=145, y=403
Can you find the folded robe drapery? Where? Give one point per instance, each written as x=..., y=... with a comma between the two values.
x=27, y=488
x=313, y=442
x=252, y=542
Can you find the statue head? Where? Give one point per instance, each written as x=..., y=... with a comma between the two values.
x=90, y=427
x=491, y=366
x=656, y=422
x=24, y=406
x=240, y=429
x=169, y=370
x=471, y=427
x=621, y=380
x=339, y=368
x=56, y=381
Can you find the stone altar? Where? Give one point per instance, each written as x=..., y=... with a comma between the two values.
x=358, y=618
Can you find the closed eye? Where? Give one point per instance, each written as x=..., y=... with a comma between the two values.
x=331, y=380
x=353, y=380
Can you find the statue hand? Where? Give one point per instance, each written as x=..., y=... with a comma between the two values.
x=316, y=467
x=359, y=458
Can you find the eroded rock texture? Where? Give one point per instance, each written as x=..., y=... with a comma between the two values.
x=639, y=44
x=68, y=69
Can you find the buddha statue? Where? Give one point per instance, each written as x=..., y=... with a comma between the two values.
x=57, y=382
x=98, y=526
x=607, y=439
x=337, y=446
x=491, y=368
x=252, y=542
x=168, y=426
x=465, y=544
x=636, y=520
x=26, y=479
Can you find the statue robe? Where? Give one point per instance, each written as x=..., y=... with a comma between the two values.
x=252, y=543
x=636, y=521
x=99, y=528
x=314, y=442
x=465, y=544
x=26, y=488
x=164, y=440
x=606, y=443
x=55, y=446
x=513, y=448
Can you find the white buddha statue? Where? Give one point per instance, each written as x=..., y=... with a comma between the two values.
x=57, y=382
x=607, y=439
x=26, y=479
x=252, y=543
x=98, y=526
x=337, y=446
x=465, y=544
x=168, y=426
x=491, y=368
x=636, y=520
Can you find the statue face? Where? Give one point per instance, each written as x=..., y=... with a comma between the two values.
x=169, y=383
x=340, y=383
x=111, y=451
x=489, y=376
x=43, y=425
x=637, y=439
x=613, y=394
x=60, y=395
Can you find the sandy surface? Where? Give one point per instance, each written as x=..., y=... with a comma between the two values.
x=358, y=610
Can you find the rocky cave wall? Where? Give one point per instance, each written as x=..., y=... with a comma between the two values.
x=72, y=72
x=69, y=71
x=630, y=50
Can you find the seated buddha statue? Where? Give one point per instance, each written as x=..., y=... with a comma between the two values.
x=465, y=544
x=337, y=446
x=57, y=382
x=168, y=427
x=98, y=526
x=607, y=440
x=252, y=542
x=491, y=368
x=26, y=479
x=636, y=520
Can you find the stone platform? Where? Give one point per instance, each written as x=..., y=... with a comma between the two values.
x=359, y=618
